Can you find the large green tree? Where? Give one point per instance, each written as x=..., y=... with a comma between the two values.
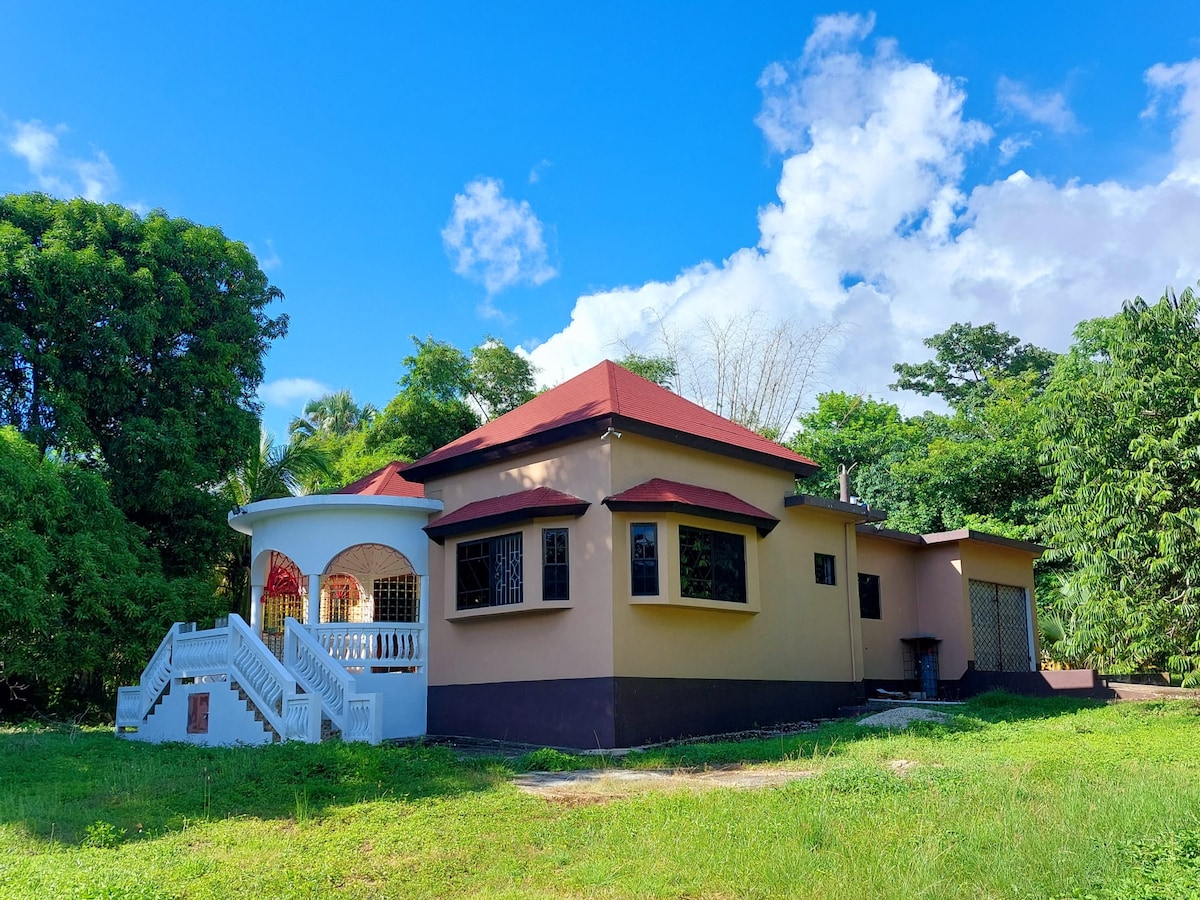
x=134, y=345
x=966, y=360
x=444, y=393
x=1122, y=442
x=83, y=598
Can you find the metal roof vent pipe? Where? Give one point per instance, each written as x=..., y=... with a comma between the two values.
x=844, y=482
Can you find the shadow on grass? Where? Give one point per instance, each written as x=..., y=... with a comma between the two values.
x=91, y=787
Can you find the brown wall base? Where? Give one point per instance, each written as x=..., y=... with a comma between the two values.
x=590, y=713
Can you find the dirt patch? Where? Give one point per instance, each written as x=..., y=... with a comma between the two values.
x=900, y=718
x=604, y=785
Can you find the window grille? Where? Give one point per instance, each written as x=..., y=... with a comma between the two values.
x=341, y=599
x=397, y=599
x=712, y=565
x=489, y=572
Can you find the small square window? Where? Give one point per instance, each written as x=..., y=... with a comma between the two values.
x=868, y=596
x=826, y=573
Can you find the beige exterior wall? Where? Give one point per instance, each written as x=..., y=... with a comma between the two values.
x=895, y=563
x=942, y=609
x=538, y=640
x=791, y=628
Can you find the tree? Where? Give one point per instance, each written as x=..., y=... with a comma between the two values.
x=84, y=598
x=134, y=345
x=749, y=368
x=499, y=379
x=658, y=369
x=269, y=472
x=966, y=357
x=444, y=393
x=1122, y=443
x=334, y=414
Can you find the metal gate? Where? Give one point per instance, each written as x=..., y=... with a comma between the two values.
x=1000, y=624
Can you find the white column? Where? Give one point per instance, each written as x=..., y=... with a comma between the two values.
x=423, y=607
x=256, y=595
x=314, y=600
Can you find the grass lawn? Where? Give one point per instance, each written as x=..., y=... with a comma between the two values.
x=1012, y=798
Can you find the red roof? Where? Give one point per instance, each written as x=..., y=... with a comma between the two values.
x=658, y=494
x=385, y=482
x=606, y=394
x=524, y=505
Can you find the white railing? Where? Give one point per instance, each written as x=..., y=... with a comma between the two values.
x=384, y=644
x=231, y=651
x=133, y=703
x=358, y=716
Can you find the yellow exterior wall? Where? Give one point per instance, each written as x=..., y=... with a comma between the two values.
x=895, y=562
x=539, y=640
x=801, y=631
x=1001, y=565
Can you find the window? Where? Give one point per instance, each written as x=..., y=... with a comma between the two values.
x=825, y=569
x=489, y=572
x=712, y=565
x=397, y=598
x=868, y=596
x=643, y=539
x=556, y=571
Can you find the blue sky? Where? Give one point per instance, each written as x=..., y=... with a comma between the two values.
x=564, y=179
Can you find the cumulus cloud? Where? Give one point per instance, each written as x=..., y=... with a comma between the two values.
x=1048, y=108
x=876, y=228
x=494, y=240
x=58, y=172
x=289, y=391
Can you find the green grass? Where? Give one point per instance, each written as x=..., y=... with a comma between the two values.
x=1012, y=798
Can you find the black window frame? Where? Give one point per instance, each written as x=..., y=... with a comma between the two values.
x=825, y=566
x=712, y=565
x=556, y=571
x=870, y=605
x=643, y=559
x=479, y=569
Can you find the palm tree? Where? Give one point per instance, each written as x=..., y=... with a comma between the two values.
x=331, y=414
x=270, y=471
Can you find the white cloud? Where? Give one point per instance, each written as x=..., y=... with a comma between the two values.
x=876, y=228
x=494, y=240
x=1014, y=144
x=289, y=391
x=60, y=173
x=1048, y=108
x=535, y=173
x=270, y=261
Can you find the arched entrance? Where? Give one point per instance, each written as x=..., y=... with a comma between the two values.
x=370, y=583
x=284, y=595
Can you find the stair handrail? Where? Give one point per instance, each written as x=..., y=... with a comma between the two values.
x=157, y=674
x=263, y=677
x=357, y=716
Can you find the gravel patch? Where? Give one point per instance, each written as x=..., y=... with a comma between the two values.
x=900, y=718
x=603, y=785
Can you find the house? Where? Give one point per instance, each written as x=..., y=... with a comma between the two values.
x=607, y=565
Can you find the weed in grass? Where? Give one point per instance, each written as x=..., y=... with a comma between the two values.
x=549, y=760
x=103, y=835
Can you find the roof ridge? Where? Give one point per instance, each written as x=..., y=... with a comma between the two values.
x=614, y=390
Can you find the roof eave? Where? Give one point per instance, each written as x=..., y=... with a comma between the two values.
x=439, y=533
x=764, y=524
x=862, y=513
